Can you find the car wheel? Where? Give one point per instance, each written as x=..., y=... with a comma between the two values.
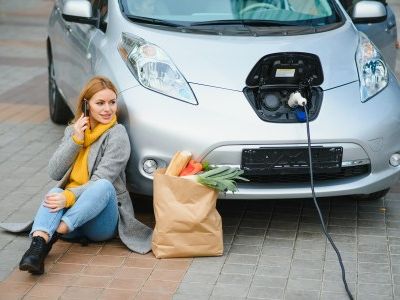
x=59, y=111
x=372, y=197
x=142, y=203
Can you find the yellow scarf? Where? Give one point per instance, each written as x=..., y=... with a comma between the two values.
x=80, y=171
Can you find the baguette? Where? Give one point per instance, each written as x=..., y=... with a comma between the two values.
x=178, y=163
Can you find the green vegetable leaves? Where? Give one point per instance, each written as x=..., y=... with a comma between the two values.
x=222, y=178
x=206, y=166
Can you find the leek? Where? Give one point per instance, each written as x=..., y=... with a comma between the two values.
x=222, y=178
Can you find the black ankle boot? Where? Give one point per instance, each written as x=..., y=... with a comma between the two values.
x=33, y=259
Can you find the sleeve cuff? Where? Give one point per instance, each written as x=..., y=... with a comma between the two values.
x=70, y=196
x=77, y=141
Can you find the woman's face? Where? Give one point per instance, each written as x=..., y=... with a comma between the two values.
x=102, y=106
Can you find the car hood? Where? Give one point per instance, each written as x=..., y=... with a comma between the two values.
x=226, y=61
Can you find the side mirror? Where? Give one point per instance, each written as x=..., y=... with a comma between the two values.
x=79, y=11
x=369, y=12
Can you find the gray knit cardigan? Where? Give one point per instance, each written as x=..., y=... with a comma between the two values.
x=107, y=159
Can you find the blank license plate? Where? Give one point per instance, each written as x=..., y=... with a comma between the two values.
x=280, y=161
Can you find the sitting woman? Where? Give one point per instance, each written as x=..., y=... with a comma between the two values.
x=91, y=200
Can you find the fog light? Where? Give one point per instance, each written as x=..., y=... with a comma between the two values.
x=395, y=160
x=150, y=166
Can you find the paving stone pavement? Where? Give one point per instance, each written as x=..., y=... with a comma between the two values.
x=272, y=249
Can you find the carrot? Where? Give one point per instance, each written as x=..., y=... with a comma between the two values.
x=197, y=168
x=192, y=168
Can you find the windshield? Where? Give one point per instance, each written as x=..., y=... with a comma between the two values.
x=271, y=12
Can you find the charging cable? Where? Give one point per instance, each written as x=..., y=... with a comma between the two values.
x=296, y=99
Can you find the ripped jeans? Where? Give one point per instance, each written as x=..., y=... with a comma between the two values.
x=93, y=216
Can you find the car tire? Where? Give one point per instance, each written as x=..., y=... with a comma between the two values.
x=373, y=196
x=142, y=203
x=59, y=111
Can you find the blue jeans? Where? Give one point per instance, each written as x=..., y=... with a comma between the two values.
x=94, y=214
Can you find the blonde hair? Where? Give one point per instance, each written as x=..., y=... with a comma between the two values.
x=94, y=85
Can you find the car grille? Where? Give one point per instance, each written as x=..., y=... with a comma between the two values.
x=346, y=172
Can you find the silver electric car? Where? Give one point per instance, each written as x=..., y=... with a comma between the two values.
x=215, y=78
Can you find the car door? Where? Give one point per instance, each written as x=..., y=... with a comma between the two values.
x=79, y=59
x=58, y=29
x=97, y=40
x=382, y=34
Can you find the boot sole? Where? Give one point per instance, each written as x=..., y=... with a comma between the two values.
x=31, y=269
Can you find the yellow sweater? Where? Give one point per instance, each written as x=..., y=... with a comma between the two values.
x=80, y=173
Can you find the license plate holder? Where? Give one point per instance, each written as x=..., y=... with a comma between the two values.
x=282, y=161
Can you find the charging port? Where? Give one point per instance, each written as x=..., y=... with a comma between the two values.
x=275, y=77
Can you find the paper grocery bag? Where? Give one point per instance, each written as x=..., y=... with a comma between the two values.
x=187, y=221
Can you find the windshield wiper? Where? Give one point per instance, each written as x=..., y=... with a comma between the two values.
x=247, y=22
x=145, y=20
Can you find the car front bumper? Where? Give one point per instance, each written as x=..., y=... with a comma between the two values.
x=223, y=123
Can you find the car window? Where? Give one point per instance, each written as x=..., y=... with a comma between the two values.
x=295, y=12
x=312, y=8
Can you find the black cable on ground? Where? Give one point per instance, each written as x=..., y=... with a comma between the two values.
x=319, y=211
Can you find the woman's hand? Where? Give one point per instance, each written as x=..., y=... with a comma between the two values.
x=55, y=201
x=80, y=126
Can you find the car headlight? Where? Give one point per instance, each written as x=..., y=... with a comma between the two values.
x=152, y=67
x=372, y=69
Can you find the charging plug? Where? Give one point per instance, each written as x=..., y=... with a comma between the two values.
x=296, y=99
x=300, y=114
